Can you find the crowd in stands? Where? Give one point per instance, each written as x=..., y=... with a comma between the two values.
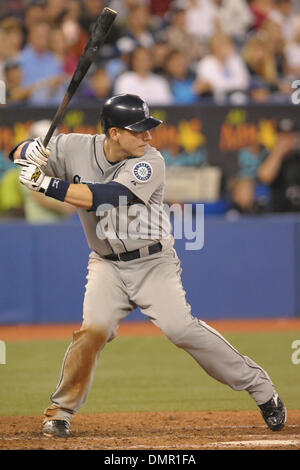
x=171, y=52
x=188, y=51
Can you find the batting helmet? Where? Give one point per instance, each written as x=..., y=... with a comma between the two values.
x=127, y=112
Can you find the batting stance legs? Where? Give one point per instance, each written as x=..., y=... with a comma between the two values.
x=154, y=284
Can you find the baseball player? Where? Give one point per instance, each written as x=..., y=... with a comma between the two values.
x=92, y=172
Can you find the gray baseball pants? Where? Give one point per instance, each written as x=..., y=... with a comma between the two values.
x=154, y=284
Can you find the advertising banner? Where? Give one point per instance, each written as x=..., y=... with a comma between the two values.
x=190, y=136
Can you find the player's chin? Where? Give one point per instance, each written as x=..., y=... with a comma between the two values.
x=139, y=152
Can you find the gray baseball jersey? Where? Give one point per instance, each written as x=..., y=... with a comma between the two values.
x=152, y=282
x=79, y=158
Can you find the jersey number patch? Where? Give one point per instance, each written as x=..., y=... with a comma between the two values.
x=142, y=171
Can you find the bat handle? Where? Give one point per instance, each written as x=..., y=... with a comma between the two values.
x=57, y=118
x=49, y=135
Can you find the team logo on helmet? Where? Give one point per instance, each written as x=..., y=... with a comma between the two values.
x=142, y=171
x=146, y=110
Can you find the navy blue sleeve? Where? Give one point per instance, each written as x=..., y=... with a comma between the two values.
x=109, y=193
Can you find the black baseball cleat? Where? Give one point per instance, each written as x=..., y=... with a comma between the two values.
x=274, y=413
x=56, y=428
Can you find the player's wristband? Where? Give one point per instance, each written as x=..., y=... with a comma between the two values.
x=24, y=148
x=56, y=189
x=11, y=153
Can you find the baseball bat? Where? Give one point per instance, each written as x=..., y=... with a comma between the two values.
x=98, y=34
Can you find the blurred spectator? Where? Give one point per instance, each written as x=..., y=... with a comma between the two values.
x=281, y=169
x=164, y=25
x=140, y=80
x=11, y=203
x=11, y=199
x=72, y=10
x=178, y=38
x=15, y=92
x=235, y=19
x=282, y=14
x=137, y=32
x=120, y=62
x=98, y=88
x=55, y=10
x=247, y=194
x=273, y=36
x=202, y=18
x=259, y=91
x=35, y=12
x=12, y=8
x=160, y=51
x=2, y=54
x=5, y=163
x=260, y=10
x=116, y=66
x=123, y=8
x=274, y=39
x=38, y=64
x=13, y=37
x=91, y=9
x=160, y=7
x=181, y=80
x=223, y=71
x=260, y=60
x=292, y=52
x=76, y=36
x=59, y=47
x=3, y=8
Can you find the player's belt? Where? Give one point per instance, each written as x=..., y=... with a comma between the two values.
x=135, y=254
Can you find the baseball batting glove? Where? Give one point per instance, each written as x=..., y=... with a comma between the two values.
x=34, y=152
x=32, y=176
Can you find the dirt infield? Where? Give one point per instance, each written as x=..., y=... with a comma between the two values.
x=156, y=431
x=215, y=430
x=65, y=331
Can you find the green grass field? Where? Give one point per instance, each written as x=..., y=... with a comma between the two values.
x=144, y=374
